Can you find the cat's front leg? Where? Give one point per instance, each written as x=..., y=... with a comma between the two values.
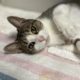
x=62, y=47
x=77, y=45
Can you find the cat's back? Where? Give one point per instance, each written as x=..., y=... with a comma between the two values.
x=66, y=16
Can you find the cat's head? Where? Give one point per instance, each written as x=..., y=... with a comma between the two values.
x=31, y=37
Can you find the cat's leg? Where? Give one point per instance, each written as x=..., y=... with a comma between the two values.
x=66, y=47
x=77, y=45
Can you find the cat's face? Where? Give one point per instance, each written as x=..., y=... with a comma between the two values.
x=31, y=36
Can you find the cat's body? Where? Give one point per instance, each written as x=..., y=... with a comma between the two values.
x=60, y=26
x=64, y=19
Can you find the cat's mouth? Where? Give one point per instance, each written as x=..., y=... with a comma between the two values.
x=41, y=43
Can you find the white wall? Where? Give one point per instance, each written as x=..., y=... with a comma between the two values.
x=33, y=5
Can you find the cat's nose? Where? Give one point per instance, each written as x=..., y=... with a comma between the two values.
x=40, y=38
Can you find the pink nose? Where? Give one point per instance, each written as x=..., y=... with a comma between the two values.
x=40, y=38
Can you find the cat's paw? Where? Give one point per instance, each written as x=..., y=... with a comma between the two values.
x=77, y=44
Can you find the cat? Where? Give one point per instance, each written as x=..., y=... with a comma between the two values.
x=59, y=25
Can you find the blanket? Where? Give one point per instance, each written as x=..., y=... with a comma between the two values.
x=51, y=64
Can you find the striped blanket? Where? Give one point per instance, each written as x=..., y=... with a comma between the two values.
x=55, y=65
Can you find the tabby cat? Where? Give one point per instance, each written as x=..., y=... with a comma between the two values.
x=59, y=25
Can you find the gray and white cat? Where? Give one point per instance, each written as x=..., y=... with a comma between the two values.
x=59, y=25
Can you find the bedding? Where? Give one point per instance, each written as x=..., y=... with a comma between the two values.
x=51, y=64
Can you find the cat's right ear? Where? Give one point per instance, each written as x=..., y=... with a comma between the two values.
x=16, y=21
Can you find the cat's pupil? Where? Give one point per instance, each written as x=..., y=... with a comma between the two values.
x=33, y=30
x=31, y=45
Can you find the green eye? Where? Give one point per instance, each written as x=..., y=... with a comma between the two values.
x=34, y=30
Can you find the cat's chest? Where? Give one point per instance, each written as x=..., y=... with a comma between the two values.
x=54, y=35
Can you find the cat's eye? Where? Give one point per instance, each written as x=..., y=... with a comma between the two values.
x=31, y=45
x=34, y=30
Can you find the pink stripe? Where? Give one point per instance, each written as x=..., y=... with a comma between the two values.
x=37, y=69
x=3, y=37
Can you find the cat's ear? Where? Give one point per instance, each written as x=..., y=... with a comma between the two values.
x=13, y=48
x=16, y=21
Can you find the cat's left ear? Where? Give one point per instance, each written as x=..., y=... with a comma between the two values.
x=16, y=21
x=13, y=48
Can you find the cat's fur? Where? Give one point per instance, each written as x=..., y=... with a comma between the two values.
x=59, y=25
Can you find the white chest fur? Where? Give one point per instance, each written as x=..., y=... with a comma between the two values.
x=54, y=35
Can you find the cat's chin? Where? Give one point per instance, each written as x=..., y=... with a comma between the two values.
x=40, y=46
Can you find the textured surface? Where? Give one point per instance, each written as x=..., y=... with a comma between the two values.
x=56, y=65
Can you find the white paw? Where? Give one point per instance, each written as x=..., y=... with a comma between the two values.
x=78, y=45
